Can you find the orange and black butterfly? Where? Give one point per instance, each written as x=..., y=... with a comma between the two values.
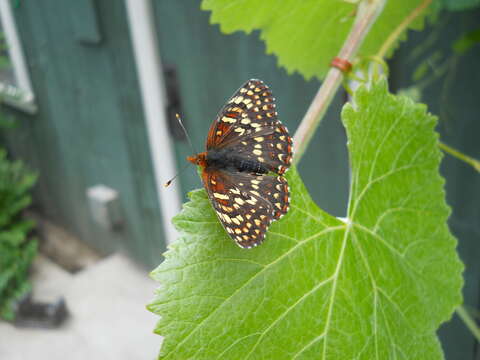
x=247, y=152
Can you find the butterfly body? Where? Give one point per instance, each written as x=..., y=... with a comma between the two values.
x=247, y=152
x=227, y=160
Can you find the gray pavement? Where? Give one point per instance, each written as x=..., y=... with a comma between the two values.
x=108, y=319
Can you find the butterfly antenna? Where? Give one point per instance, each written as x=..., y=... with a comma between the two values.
x=191, y=145
x=167, y=184
x=186, y=133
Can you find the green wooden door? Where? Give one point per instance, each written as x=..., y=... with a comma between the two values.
x=90, y=127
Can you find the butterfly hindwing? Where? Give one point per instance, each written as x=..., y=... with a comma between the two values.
x=246, y=204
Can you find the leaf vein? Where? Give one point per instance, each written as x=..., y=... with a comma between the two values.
x=334, y=287
x=155, y=272
x=384, y=140
x=284, y=313
x=309, y=215
x=375, y=294
x=382, y=240
x=378, y=179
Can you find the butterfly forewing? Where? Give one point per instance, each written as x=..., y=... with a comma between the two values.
x=248, y=125
x=250, y=109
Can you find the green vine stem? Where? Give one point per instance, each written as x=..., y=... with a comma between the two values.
x=469, y=322
x=393, y=37
x=455, y=153
x=367, y=13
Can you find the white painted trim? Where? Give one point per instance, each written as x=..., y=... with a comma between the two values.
x=21, y=95
x=149, y=69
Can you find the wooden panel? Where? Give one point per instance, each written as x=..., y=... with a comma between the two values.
x=89, y=128
x=83, y=14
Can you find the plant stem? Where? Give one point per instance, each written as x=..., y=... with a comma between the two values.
x=367, y=13
x=468, y=321
x=455, y=153
x=392, y=38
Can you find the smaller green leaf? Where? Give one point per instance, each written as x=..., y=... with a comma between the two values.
x=427, y=64
x=466, y=42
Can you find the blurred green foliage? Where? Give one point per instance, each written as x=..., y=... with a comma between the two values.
x=17, y=250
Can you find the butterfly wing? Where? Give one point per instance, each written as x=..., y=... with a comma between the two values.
x=253, y=100
x=248, y=125
x=246, y=204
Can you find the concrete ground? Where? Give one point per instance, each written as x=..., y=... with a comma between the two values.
x=108, y=319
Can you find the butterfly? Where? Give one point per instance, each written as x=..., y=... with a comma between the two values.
x=248, y=151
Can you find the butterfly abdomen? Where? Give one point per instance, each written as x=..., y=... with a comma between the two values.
x=224, y=159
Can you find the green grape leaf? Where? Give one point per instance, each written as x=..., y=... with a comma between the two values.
x=306, y=35
x=374, y=286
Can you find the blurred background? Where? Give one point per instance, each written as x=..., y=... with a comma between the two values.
x=89, y=93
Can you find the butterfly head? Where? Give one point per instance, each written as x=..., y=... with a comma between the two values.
x=199, y=159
